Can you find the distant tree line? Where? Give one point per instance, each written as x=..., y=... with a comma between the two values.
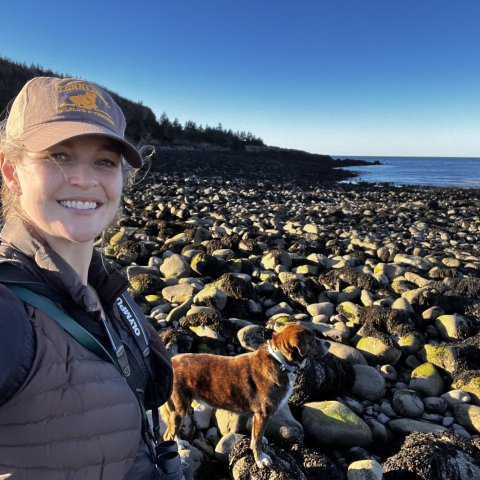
x=142, y=125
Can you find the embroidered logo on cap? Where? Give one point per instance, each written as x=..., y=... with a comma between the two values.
x=84, y=102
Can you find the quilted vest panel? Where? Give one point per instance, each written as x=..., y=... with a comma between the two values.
x=74, y=417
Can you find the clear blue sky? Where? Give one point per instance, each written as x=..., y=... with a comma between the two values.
x=341, y=77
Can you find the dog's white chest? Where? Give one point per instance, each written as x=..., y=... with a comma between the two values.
x=291, y=381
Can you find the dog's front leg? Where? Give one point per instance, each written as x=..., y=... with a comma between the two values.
x=258, y=429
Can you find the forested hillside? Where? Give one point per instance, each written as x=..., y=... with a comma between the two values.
x=142, y=125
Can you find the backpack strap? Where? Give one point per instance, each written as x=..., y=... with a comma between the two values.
x=73, y=328
x=89, y=342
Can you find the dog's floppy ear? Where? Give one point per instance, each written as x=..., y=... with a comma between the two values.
x=293, y=341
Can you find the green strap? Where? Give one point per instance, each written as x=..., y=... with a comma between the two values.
x=84, y=337
x=71, y=326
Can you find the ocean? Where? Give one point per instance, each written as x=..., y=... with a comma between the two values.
x=436, y=171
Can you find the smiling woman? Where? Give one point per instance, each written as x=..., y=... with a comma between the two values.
x=66, y=410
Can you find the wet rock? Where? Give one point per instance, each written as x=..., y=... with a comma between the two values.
x=334, y=425
x=300, y=293
x=317, y=465
x=147, y=284
x=205, y=265
x=322, y=377
x=251, y=337
x=235, y=287
x=211, y=297
x=130, y=252
x=433, y=455
x=243, y=467
x=177, y=341
x=442, y=356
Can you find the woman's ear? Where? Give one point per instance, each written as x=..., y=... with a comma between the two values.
x=9, y=173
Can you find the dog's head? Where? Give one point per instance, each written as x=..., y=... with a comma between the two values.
x=295, y=341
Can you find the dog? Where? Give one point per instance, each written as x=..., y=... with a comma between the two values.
x=260, y=382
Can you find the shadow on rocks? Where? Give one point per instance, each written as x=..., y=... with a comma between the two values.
x=317, y=465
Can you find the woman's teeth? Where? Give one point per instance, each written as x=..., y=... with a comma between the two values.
x=79, y=205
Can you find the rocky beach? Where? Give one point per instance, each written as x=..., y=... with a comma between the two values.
x=223, y=249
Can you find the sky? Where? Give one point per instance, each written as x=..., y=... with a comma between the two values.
x=338, y=77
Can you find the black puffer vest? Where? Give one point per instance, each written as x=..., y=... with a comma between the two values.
x=74, y=417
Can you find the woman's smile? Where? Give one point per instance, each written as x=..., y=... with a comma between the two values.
x=83, y=178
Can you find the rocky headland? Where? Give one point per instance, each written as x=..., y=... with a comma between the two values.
x=220, y=255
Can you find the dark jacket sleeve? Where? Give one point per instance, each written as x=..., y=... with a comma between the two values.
x=17, y=344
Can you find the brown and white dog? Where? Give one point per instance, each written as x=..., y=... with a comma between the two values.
x=260, y=382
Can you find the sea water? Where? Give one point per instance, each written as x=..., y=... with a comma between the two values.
x=437, y=171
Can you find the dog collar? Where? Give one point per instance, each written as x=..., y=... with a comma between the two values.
x=286, y=365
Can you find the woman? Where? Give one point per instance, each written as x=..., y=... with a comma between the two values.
x=67, y=411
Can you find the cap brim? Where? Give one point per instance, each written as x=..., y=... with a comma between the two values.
x=45, y=136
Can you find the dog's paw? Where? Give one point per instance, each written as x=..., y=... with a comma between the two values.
x=264, y=461
x=264, y=441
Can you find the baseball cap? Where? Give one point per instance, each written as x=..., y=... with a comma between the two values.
x=51, y=110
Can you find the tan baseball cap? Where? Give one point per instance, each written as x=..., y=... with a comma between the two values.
x=51, y=110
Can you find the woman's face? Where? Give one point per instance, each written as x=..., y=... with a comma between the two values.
x=71, y=192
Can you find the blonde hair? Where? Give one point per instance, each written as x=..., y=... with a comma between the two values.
x=12, y=150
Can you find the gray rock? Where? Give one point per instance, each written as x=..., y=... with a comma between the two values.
x=365, y=470
x=452, y=327
x=175, y=267
x=251, y=337
x=225, y=445
x=324, y=308
x=211, y=297
x=405, y=426
x=407, y=403
x=454, y=397
x=435, y=404
x=467, y=416
x=369, y=384
x=348, y=353
x=179, y=293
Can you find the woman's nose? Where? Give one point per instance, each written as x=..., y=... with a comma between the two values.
x=82, y=175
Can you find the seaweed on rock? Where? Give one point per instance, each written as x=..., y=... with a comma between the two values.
x=321, y=378
x=433, y=456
